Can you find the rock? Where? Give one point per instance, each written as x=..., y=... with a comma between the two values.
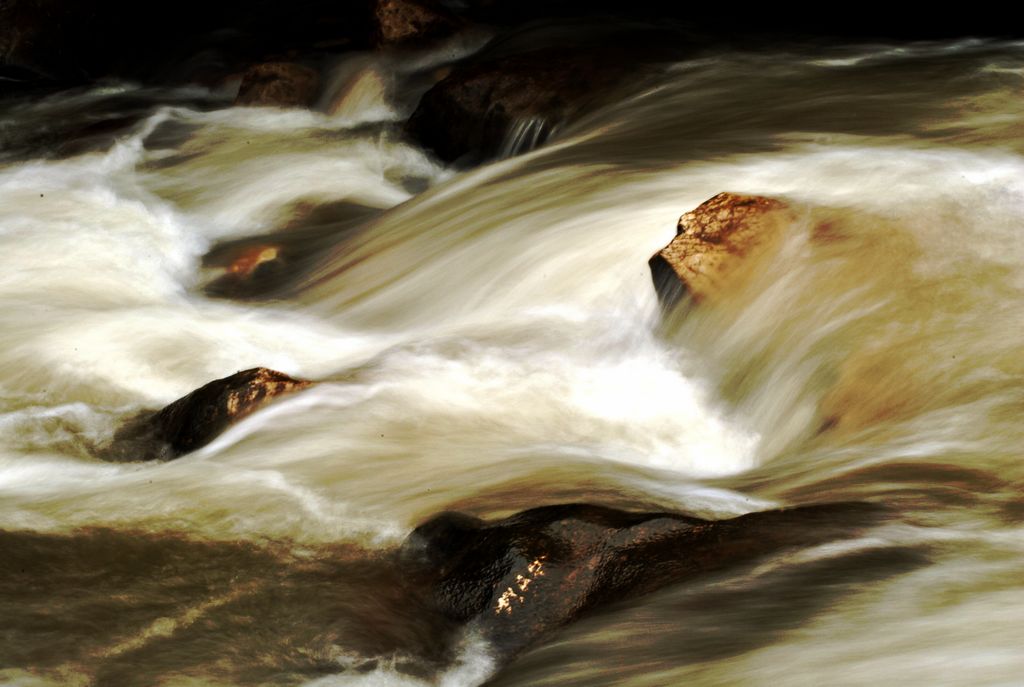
x=250, y=271
x=411, y=22
x=517, y=579
x=195, y=420
x=278, y=84
x=714, y=243
x=271, y=265
x=474, y=109
x=537, y=79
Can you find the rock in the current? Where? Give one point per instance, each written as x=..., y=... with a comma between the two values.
x=714, y=243
x=517, y=579
x=195, y=420
x=279, y=84
x=472, y=111
x=529, y=82
x=270, y=265
x=250, y=271
x=412, y=22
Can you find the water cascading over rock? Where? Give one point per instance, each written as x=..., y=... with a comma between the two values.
x=715, y=244
x=198, y=418
x=516, y=580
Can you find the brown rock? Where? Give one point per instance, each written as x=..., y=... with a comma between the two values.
x=714, y=243
x=517, y=579
x=195, y=420
x=408, y=22
x=278, y=84
x=271, y=265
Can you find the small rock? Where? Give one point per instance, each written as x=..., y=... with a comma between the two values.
x=195, y=420
x=278, y=84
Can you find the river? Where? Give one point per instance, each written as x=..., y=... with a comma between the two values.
x=489, y=341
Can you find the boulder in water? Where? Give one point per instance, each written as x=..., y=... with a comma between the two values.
x=517, y=579
x=714, y=242
x=538, y=78
x=472, y=111
x=278, y=84
x=195, y=420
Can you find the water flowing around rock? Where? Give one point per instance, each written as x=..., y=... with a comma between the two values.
x=488, y=341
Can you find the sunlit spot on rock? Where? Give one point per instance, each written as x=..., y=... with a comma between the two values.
x=536, y=569
x=251, y=259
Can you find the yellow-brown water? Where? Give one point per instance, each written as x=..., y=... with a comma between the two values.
x=490, y=342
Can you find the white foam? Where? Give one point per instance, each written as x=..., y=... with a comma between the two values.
x=473, y=666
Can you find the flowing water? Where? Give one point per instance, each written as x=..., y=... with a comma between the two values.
x=488, y=341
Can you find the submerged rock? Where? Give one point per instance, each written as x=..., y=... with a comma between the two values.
x=410, y=22
x=195, y=420
x=278, y=84
x=250, y=270
x=517, y=579
x=714, y=242
x=271, y=265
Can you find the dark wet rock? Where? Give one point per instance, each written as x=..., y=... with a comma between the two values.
x=412, y=22
x=473, y=110
x=195, y=420
x=715, y=244
x=517, y=579
x=539, y=78
x=279, y=84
